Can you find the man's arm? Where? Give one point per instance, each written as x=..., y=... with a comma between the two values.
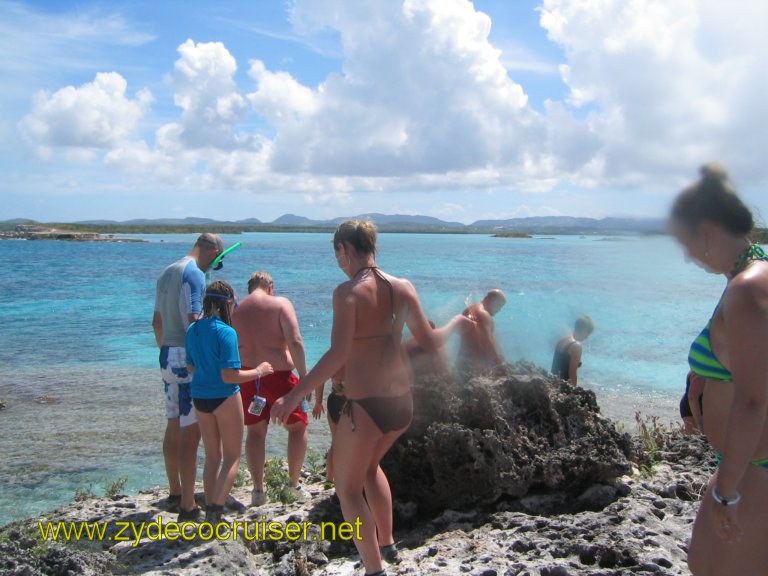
x=289, y=325
x=157, y=326
x=486, y=336
x=695, y=391
x=575, y=359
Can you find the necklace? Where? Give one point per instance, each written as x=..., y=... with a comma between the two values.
x=751, y=252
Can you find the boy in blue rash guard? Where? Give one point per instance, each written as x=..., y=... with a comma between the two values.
x=213, y=360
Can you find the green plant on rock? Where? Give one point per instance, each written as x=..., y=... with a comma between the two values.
x=314, y=461
x=83, y=494
x=652, y=437
x=277, y=481
x=115, y=488
x=242, y=476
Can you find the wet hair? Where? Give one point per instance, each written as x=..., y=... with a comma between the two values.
x=360, y=234
x=713, y=198
x=259, y=280
x=218, y=294
x=584, y=325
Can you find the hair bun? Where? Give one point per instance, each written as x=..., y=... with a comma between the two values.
x=714, y=171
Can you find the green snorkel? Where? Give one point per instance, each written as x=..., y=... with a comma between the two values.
x=217, y=263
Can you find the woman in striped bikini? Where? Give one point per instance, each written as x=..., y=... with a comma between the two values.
x=731, y=354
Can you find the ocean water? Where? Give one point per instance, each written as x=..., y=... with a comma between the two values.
x=84, y=401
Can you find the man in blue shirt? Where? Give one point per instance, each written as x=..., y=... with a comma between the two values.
x=178, y=303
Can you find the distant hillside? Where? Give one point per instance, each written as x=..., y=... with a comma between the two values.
x=387, y=219
x=407, y=220
x=11, y=224
x=573, y=224
x=189, y=221
x=293, y=220
x=385, y=223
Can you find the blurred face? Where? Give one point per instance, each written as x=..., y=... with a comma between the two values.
x=494, y=304
x=342, y=258
x=581, y=336
x=693, y=242
x=207, y=256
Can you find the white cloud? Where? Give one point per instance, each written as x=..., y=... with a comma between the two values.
x=422, y=92
x=205, y=90
x=280, y=98
x=96, y=115
x=671, y=84
x=424, y=101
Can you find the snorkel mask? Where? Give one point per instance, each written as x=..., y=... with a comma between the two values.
x=218, y=263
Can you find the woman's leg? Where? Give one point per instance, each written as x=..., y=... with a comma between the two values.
x=352, y=456
x=710, y=555
x=212, y=444
x=377, y=490
x=329, y=454
x=229, y=418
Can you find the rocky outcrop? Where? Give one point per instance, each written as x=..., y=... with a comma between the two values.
x=505, y=437
x=645, y=531
x=512, y=475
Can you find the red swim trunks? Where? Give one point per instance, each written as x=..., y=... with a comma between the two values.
x=272, y=387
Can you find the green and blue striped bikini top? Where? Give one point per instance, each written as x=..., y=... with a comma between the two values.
x=703, y=361
x=701, y=358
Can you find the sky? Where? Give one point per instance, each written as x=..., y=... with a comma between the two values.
x=323, y=108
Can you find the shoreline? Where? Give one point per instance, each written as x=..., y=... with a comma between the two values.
x=618, y=407
x=34, y=232
x=638, y=524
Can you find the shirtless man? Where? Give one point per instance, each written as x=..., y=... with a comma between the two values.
x=268, y=331
x=478, y=351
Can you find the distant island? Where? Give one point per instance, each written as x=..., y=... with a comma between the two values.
x=512, y=235
x=107, y=230
x=44, y=232
x=404, y=223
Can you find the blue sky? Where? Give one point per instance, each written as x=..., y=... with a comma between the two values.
x=324, y=108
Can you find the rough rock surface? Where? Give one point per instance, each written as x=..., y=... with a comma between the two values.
x=521, y=432
x=563, y=510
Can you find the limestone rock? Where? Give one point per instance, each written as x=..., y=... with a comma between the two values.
x=521, y=431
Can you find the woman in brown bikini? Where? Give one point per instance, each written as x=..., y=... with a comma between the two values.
x=369, y=313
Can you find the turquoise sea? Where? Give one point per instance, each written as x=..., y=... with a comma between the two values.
x=75, y=327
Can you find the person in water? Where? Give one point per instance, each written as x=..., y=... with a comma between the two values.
x=370, y=311
x=479, y=351
x=566, y=360
x=269, y=331
x=713, y=225
x=214, y=362
x=691, y=409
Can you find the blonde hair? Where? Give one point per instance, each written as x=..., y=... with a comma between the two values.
x=259, y=280
x=360, y=234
